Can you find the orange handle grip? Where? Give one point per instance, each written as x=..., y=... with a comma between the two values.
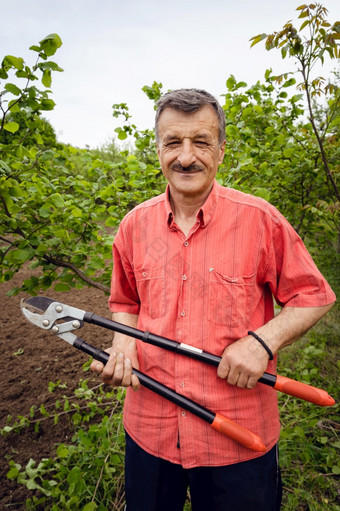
x=304, y=391
x=238, y=433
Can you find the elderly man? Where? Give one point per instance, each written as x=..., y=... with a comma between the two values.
x=201, y=264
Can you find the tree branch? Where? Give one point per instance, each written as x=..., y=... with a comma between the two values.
x=65, y=264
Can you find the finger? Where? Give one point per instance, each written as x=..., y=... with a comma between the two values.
x=135, y=383
x=109, y=369
x=96, y=366
x=127, y=374
x=251, y=382
x=223, y=370
x=242, y=381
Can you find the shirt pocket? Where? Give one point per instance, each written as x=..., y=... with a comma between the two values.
x=151, y=290
x=230, y=300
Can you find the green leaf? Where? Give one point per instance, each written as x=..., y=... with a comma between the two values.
x=10, y=87
x=44, y=212
x=62, y=451
x=76, y=212
x=12, y=127
x=14, y=106
x=11, y=61
x=13, y=473
x=91, y=506
x=21, y=255
x=304, y=24
x=47, y=104
x=264, y=193
x=288, y=152
x=231, y=82
x=74, y=475
x=60, y=287
x=50, y=44
x=256, y=39
x=47, y=78
x=35, y=48
x=289, y=82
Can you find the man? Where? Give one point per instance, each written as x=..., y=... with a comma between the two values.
x=200, y=264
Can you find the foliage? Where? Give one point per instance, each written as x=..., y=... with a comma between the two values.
x=271, y=152
x=308, y=46
x=309, y=442
x=87, y=474
x=59, y=202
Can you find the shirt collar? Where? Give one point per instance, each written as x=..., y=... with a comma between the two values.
x=204, y=214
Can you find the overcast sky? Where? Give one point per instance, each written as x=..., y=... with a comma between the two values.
x=112, y=48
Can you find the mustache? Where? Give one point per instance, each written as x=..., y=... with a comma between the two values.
x=191, y=168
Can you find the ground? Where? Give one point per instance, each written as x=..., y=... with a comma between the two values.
x=30, y=359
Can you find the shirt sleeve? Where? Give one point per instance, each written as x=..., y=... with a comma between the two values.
x=292, y=275
x=124, y=296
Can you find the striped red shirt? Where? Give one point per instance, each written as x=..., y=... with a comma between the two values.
x=207, y=290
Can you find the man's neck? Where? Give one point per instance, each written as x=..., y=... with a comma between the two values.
x=185, y=208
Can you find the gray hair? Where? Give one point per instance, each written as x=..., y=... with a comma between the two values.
x=190, y=101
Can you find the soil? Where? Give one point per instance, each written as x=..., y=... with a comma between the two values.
x=31, y=358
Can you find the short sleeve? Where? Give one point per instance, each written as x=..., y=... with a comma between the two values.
x=124, y=296
x=292, y=275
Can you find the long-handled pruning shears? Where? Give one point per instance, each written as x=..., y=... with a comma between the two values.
x=62, y=319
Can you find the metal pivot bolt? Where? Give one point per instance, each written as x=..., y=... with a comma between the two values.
x=55, y=329
x=59, y=308
x=76, y=324
x=45, y=322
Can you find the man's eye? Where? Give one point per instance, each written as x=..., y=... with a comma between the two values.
x=201, y=143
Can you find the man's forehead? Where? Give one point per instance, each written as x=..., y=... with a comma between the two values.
x=172, y=122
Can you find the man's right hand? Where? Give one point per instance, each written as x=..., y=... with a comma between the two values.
x=123, y=357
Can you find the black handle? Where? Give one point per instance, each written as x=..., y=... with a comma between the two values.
x=164, y=342
x=216, y=420
x=150, y=383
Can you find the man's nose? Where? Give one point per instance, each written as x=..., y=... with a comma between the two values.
x=186, y=154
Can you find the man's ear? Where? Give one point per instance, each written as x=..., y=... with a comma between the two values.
x=222, y=150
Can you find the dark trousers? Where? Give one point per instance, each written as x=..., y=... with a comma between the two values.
x=153, y=484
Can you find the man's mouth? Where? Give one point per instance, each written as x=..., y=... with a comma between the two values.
x=191, y=169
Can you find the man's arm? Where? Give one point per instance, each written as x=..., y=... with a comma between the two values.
x=123, y=356
x=245, y=361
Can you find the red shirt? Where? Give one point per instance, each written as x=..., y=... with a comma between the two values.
x=207, y=289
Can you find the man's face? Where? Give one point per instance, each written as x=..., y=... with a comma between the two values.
x=189, y=151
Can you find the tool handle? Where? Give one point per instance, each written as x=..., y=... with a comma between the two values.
x=307, y=392
x=217, y=421
x=238, y=433
x=281, y=383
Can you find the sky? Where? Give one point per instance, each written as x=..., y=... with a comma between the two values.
x=112, y=48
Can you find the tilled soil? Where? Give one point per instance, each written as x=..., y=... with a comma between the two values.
x=31, y=358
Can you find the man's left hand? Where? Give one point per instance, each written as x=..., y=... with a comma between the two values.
x=243, y=363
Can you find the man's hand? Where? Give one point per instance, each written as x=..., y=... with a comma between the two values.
x=243, y=363
x=123, y=357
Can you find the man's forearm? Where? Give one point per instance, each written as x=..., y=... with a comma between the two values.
x=244, y=361
x=126, y=319
x=289, y=325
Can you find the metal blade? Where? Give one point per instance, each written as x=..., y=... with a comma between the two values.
x=46, y=313
x=37, y=303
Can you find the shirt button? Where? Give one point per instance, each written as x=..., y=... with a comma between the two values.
x=184, y=414
x=184, y=277
x=183, y=314
x=181, y=384
x=186, y=243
